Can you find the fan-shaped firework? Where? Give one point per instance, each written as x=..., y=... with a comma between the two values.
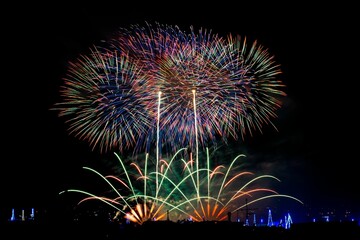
x=141, y=193
x=161, y=80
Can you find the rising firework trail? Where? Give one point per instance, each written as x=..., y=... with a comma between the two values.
x=176, y=189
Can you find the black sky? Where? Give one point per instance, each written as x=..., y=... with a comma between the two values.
x=315, y=150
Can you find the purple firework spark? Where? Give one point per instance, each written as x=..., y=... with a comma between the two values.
x=220, y=85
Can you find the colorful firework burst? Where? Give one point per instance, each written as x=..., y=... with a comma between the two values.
x=198, y=84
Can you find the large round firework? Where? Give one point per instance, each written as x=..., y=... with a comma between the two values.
x=103, y=99
x=159, y=82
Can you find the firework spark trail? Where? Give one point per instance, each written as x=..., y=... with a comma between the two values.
x=110, y=98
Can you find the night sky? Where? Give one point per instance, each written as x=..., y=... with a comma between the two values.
x=314, y=152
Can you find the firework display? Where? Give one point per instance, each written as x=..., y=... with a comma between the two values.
x=160, y=88
x=115, y=96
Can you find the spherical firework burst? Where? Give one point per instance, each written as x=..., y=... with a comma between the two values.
x=101, y=97
x=189, y=88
